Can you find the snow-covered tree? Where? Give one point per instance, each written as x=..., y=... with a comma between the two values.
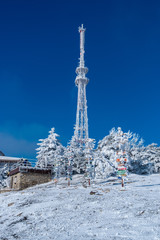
x=50, y=152
x=76, y=148
x=42, y=153
x=3, y=176
x=89, y=155
x=80, y=155
x=76, y=158
x=156, y=160
x=69, y=154
x=114, y=145
x=115, y=142
x=107, y=150
x=145, y=159
x=104, y=167
x=59, y=162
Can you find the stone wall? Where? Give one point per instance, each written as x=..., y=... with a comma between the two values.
x=22, y=180
x=15, y=181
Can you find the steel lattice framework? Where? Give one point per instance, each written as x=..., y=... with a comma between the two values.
x=81, y=128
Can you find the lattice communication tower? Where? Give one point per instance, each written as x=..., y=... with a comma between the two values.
x=81, y=127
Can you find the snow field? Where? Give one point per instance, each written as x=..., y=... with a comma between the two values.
x=98, y=212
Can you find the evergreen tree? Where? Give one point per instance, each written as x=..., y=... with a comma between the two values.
x=145, y=160
x=50, y=152
x=42, y=153
x=114, y=145
x=3, y=176
x=76, y=148
x=79, y=157
x=69, y=161
x=89, y=155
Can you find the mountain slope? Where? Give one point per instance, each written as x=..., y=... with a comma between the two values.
x=101, y=211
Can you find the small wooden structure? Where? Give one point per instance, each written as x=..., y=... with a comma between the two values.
x=24, y=177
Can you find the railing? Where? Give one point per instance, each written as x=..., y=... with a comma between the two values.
x=27, y=163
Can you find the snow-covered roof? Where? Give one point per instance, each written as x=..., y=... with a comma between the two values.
x=9, y=159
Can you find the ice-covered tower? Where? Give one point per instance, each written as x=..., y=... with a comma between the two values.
x=81, y=128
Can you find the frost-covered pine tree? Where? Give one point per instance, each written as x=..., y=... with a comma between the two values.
x=79, y=155
x=42, y=153
x=89, y=155
x=50, y=152
x=77, y=150
x=156, y=159
x=153, y=160
x=145, y=159
x=69, y=157
x=59, y=162
x=113, y=146
x=115, y=142
x=3, y=176
x=107, y=150
x=55, y=149
x=102, y=165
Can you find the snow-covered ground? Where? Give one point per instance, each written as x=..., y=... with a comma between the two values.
x=74, y=213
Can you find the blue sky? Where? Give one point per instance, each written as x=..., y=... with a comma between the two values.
x=39, y=51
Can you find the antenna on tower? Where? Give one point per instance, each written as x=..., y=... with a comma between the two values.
x=82, y=41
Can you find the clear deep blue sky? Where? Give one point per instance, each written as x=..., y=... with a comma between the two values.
x=39, y=51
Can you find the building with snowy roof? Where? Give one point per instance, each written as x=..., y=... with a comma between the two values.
x=9, y=161
x=24, y=177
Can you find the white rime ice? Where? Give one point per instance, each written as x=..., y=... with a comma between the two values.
x=90, y=154
x=99, y=162
x=82, y=157
x=50, y=152
x=3, y=176
x=141, y=159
